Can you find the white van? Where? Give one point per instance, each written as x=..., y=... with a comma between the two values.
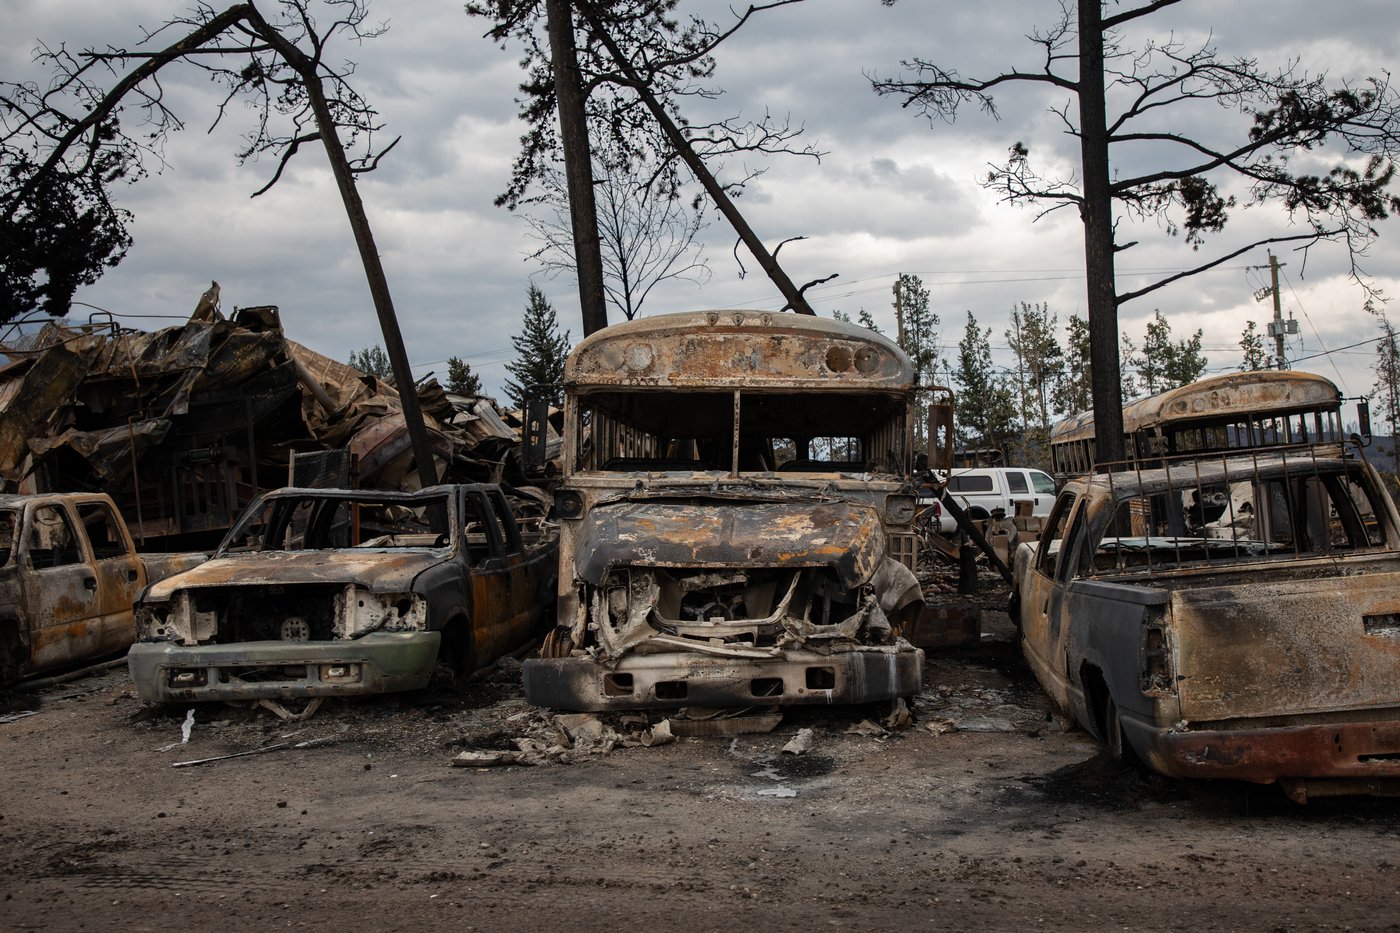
x=983, y=489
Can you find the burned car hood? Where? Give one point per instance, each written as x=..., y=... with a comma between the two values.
x=843, y=536
x=375, y=570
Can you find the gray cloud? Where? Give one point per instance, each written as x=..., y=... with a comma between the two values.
x=894, y=194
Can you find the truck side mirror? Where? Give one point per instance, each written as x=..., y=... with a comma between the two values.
x=535, y=433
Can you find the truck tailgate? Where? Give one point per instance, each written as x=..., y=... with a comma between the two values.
x=1289, y=647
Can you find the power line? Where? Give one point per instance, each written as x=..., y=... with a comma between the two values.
x=1313, y=326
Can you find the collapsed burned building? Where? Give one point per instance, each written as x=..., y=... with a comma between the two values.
x=185, y=426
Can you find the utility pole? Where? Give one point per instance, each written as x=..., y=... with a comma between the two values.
x=899, y=309
x=1278, y=327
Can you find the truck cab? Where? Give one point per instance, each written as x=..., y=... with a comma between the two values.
x=69, y=574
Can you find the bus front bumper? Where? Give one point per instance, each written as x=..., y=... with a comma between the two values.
x=682, y=678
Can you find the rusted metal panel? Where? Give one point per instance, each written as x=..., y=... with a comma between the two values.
x=844, y=536
x=1271, y=644
x=797, y=676
x=745, y=348
x=1344, y=750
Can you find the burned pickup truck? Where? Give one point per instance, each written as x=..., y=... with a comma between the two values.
x=1227, y=616
x=735, y=515
x=69, y=573
x=319, y=593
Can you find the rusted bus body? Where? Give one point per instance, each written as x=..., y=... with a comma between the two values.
x=1249, y=410
x=1232, y=617
x=320, y=593
x=736, y=517
x=68, y=576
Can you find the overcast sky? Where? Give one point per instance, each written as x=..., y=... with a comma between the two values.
x=892, y=194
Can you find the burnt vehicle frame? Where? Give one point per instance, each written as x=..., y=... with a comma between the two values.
x=69, y=573
x=736, y=516
x=1233, y=616
x=319, y=593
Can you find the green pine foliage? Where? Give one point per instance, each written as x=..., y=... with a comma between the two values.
x=540, y=351
x=460, y=378
x=372, y=361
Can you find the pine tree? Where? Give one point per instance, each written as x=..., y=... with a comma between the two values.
x=1165, y=363
x=1387, y=368
x=986, y=409
x=460, y=378
x=918, y=338
x=1075, y=393
x=1039, y=366
x=372, y=361
x=539, y=354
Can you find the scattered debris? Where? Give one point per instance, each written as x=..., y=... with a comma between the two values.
x=659, y=734
x=866, y=727
x=11, y=717
x=489, y=759
x=698, y=721
x=899, y=717
x=274, y=747
x=800, y=743
x=187, y=727
x=986, y=724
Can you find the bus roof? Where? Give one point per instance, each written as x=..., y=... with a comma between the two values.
x=732, y=349
x=1260, y=393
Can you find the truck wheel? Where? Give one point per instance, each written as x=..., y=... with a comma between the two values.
x=1117, y=743
x=457, y=651
x=12, y=654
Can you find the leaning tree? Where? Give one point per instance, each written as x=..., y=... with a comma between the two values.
x=278, y=65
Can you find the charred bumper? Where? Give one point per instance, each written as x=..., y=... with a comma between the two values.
x=673, y=679
x=1351, y=754
x=380, y=662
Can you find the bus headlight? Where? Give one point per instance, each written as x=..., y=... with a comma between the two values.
x=568, y=504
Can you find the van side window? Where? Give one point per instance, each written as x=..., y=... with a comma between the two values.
x=970, y=483
x=1016, y=482
x=1044, y=485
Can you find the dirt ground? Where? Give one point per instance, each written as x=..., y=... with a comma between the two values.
x=982, y=814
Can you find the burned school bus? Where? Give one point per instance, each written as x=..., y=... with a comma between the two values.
x=735, y=516
x=1226, y=615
